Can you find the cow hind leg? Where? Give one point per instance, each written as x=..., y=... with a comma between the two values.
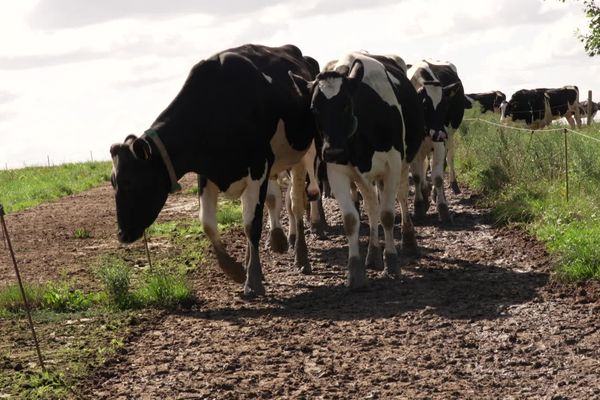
x=318, y=223
x=291, y=218
x=450, y=160
x=418, y=167
x=298, y=194
x=208, y=219
x=277, y=239
x=371, y=203
x=340, y=187
x=253, y=202
x=387, y=216
x=409, y=240
x=437, y=175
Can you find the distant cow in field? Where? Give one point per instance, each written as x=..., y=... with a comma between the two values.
x=442, y=97
x=564, y=103
x=238, y=120
x=371, y=124
x=583, y=109
x=488, y=101
x=538, y=107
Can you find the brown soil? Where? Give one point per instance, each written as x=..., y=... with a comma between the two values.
x=477, y=315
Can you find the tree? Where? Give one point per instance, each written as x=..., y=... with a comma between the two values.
x=591, y=40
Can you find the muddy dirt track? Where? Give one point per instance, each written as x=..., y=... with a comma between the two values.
x=476, y=316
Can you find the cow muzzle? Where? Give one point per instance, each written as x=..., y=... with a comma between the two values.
x=128, y=237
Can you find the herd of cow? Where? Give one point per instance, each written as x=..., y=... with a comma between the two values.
x=536, y=107
x=249, y=114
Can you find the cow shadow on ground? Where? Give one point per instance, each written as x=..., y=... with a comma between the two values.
x=463, y=290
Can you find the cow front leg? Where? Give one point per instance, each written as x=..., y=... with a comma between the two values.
x=437, y=175
x=253, y=203
x=340, y=187
x=371, y=203
x=450, y=146
x=298, y=200
x=277, y=239
x=208, y=193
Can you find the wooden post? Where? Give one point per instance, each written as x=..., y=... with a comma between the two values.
x=566, y=166
x=91, y=156
x=589, y=108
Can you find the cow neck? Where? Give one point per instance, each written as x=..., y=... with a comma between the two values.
x=153, y=135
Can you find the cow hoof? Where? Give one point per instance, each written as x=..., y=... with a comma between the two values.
x=318, y=229
x=357, y=276
x=454, y=187
x=421, y=207
x=444, y=214
x=374, y=260
x=391, y=269
x=292, y=240
x=253, y=290
x=409, y=243
x=305, y=269
x=278, y=241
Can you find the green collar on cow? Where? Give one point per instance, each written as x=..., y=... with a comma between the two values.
x=153, y=135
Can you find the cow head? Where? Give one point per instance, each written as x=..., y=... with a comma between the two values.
x=141, y=186
x=332, y=105
x=435, y=99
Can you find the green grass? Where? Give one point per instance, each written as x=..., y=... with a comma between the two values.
x=53, y=296
x=28, y=187
x=522, y=177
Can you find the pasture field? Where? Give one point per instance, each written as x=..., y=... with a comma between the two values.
x=28, y=187
x=477, y=315
x=522, y=176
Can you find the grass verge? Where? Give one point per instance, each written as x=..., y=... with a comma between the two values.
x=28, y=187
x=522, y=176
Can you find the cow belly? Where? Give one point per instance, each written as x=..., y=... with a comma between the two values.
x=285, y=155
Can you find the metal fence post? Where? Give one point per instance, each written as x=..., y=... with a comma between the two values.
x=566, y=165
x=589, y=108
x=27, y=309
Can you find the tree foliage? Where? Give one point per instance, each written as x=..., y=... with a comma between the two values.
x=591, y=40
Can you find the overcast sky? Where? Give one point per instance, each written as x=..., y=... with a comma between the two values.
x=79, y=75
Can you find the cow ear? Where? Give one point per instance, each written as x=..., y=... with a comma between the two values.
x=141, y=149
x=450, y=90
x=356, y=74
x=114, y=149
x=302, y=86
x=130, y=138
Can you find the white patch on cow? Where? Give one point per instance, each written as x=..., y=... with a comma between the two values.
x=268, y=78
x=285, y=155
x=442, y=63
x=330, y=87
x=434, y=92
x=375, y=76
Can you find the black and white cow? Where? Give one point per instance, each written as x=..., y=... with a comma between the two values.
x=538, y=107
x=583, y=109
x=443, y=99
x=369, y=118
x=488, y=101
x=529, y=106
x=238, y=119
x=564, y=103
